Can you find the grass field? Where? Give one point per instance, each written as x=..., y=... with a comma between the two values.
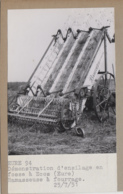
x=99, y=137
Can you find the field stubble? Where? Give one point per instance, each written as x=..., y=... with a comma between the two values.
x=99, y=138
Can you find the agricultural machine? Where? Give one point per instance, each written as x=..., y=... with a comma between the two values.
x=67, y=75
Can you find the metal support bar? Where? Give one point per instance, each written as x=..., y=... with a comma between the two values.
x=105, y=55
x=25, y=105
x=78, y=31
x=83, y=87
x=101, y=72
x=45, y=107
x=90, y=29
x=113, y=71
x=108, y=37
x=62, y=94
x=54, y=92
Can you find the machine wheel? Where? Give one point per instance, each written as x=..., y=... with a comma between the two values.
x=104, y=96
x=80, y=132
x=67, y=118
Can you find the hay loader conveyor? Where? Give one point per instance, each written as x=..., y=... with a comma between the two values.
x=64, y=79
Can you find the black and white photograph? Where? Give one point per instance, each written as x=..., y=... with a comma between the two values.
x=61, y=81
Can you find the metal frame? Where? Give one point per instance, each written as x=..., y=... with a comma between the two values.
x=79, y=98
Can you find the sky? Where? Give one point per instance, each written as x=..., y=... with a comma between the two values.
x=30, y=32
